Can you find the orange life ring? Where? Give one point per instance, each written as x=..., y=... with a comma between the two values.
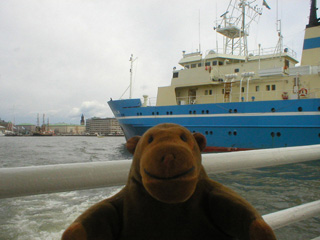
x=303, y=92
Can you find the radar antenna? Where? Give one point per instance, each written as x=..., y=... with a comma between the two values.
x=235, y=23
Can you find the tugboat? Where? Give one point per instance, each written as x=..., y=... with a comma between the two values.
x=239, y=99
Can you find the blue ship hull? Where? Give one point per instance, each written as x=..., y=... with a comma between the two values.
x=230, y=126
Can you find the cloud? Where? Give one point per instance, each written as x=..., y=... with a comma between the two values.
x=65, y=58
x=89, y=109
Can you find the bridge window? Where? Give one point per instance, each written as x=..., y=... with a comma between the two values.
x=207, y=64
x=214, y=63
x=175, y=75
x=257, y=88
x=194, y=65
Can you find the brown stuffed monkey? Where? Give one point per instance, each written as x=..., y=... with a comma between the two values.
x=168, y=196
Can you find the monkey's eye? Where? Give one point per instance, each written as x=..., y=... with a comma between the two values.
x=183, y=137
x=150, y=139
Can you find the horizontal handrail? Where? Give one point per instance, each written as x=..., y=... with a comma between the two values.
x=317, y=238
x=291, y=215
x=24, y=181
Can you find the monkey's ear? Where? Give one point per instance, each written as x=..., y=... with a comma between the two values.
x=132, y=143
x=201, y=140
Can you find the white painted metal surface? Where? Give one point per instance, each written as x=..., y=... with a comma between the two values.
x=23, y=181
x=225, y=162
x=291, y=215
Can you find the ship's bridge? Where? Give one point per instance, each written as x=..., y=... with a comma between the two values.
x=194, y=60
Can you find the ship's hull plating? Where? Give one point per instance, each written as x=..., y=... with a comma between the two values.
x=230, y=126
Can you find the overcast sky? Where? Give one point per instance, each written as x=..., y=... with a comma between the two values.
x=64, y=58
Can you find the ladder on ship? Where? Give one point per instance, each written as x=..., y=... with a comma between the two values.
x=227, y=91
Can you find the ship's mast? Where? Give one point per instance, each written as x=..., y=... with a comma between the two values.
x=131, y=72
x=279, y=47
x=313, y=19
x=235, y=24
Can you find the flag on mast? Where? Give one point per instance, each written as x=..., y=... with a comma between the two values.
x=265, y=4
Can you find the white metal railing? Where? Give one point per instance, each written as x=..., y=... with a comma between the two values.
x=291, y=215
x=24, y=181
x=261, y=52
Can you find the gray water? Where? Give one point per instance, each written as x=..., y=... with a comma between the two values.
x=46, y=216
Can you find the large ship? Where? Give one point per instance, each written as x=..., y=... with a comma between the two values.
x=238, y=99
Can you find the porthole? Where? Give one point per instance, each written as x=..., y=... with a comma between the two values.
x=273, y=109
x=152, y=113
x=235, y=110
x=318, y=108
x=202, y=111
x=211, y=132
x=190, y=112
x=278, y=134
x=300, y=109
x=157, y=113
x=230, y=110
x=167, y=113
x=170, y=113
x=207, y=133
x=273, y=134
x=207, y=111
x=230, y=133
x=194, y=112
x=235, y=133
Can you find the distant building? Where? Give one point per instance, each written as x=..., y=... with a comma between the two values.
x=67, y=129
x=103, y=126
x=26, y=128
x=82, y=120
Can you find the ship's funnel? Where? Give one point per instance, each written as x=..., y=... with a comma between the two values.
x=311, y=45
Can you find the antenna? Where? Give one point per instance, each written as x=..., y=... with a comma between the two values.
x=131, y=70
x=199, y=33
x=217, y=46
x=234, y=26
x=279, y=46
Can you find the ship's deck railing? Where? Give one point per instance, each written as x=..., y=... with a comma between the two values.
x=24, y=181
x=261, y=52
